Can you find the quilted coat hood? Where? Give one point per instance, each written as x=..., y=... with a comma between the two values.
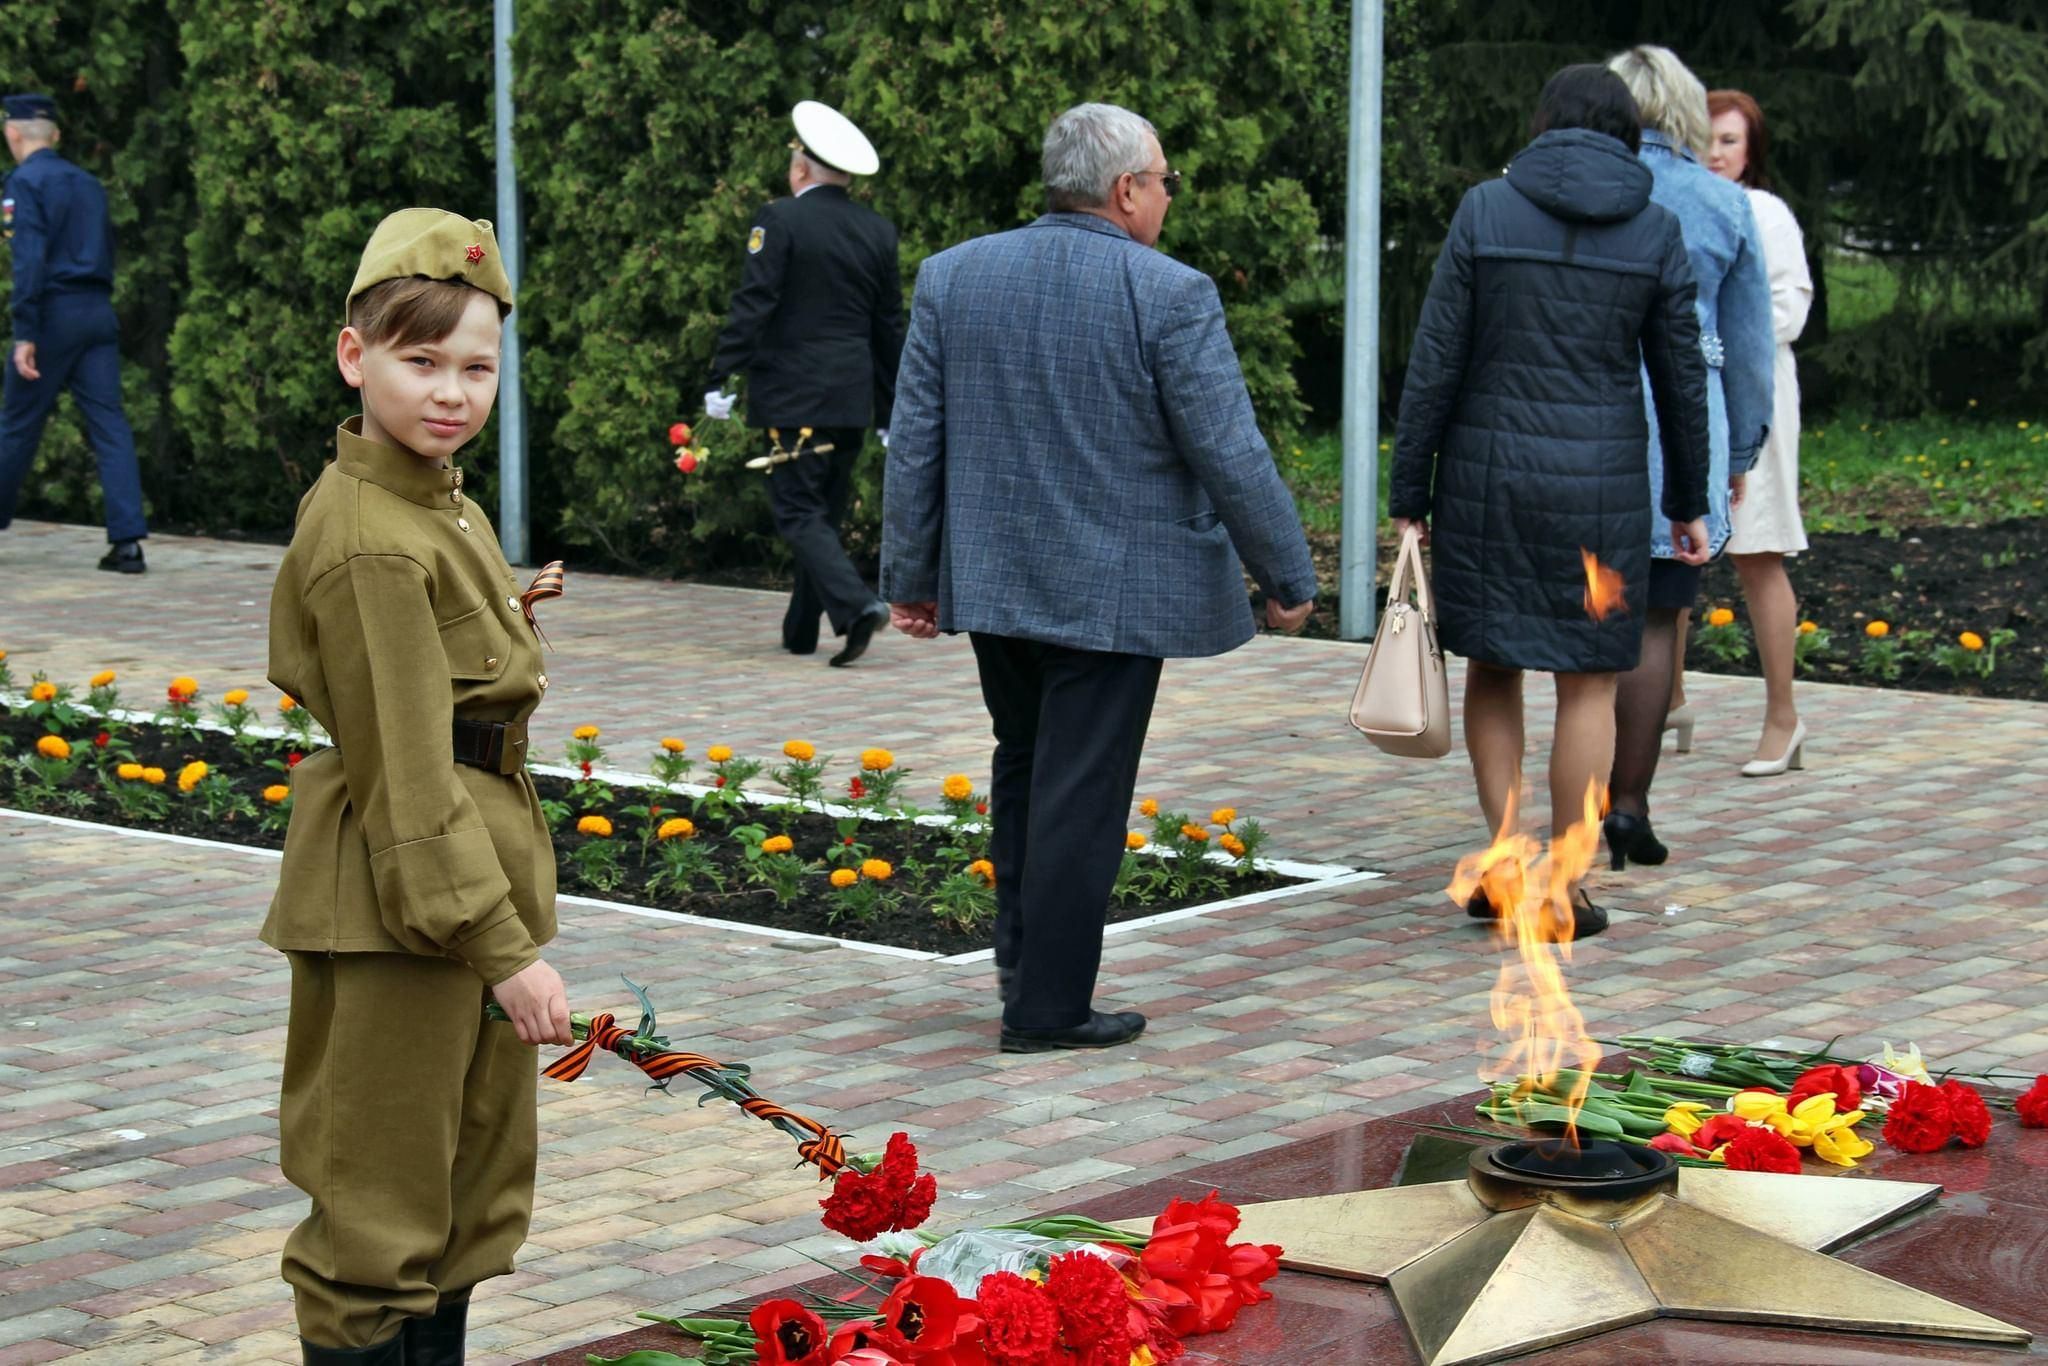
x=1581, y=176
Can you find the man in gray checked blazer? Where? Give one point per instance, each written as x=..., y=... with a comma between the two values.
x=1073, y=474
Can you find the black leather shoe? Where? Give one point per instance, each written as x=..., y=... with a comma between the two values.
x=390, y=1352
x=1098, y=1031
x=1480, y=907
x=1631, y=840
x=124, y=557
x=860, y=633
x=437, y=1341
x=798, y=647
x=1587, y=919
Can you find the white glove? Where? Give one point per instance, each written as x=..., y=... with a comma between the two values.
x=882, y=434
x=718, y=405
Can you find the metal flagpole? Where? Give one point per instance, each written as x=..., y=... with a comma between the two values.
x=511, y=404
x=1357, y=611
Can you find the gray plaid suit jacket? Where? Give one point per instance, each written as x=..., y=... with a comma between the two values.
x=1073, y=457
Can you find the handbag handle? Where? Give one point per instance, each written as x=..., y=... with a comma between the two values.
x=1407, y=560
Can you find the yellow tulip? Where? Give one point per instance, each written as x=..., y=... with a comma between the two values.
x=1685, y=1118
x=1839, y=1143
x=1813, y=1115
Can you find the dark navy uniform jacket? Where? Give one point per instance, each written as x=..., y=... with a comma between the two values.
x=63, y=240
x=817, y=322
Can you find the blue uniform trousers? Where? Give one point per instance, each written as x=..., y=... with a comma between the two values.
x=77, y=352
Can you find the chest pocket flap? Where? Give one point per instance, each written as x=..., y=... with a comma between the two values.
x=476, y=643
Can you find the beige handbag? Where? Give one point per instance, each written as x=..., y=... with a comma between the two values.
x=1403, y=702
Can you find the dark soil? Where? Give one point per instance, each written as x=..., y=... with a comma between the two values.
x=909, y=847
x=1943, y=580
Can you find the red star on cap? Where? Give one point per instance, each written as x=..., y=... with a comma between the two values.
x=475, y=252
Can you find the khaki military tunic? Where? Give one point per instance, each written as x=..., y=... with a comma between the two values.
x=395, y=612
x=409, y=884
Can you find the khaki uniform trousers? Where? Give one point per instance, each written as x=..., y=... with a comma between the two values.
x=409, y=1120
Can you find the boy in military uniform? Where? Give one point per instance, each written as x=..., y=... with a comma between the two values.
x=419, y=876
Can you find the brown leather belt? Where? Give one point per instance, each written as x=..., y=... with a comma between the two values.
x=495, y=746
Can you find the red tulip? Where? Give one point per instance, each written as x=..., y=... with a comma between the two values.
x=787, y=1334
x=1673, y=1144
x=679, y=434
x=1848, y=1091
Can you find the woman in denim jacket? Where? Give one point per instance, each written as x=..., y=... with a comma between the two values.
x=1734, y=304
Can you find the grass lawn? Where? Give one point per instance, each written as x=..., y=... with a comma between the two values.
x=1856, y=474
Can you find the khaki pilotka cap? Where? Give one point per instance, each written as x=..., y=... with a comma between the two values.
x=435, y=245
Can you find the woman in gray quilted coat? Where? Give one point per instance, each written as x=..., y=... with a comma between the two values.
x=1523, y=443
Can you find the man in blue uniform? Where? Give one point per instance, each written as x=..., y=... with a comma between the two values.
x=817, y=326
x=64, y=337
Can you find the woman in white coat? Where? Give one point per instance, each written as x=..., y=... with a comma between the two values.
x=1767, y=525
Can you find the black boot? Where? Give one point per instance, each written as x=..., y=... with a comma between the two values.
x=125, y=557
x=390, y=1352
x=438, y=1341
x=1631, y=840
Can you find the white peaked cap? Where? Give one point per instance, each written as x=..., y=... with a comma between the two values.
x=829, y=136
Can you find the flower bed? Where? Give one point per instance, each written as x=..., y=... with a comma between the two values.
x=842, y=851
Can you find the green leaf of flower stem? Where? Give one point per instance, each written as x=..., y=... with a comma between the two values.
x=643, y=1357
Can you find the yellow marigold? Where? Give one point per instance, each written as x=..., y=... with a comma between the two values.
x=183, y=688
x=844, y=877
x=287, y=703
x=777, y=844
x=1232, y=845
x=585, y=732
x=53, y=747
x=128, y=773
x=191, y=775
x=234, y=697
x=1134, y=840
x=1970, y=640
x=877, y=870
x=1877, y=630
x=42, y=691
x=153, y=776
x=957, y=787
x=984, y=870
x=597, y=826
x=1720, y=616
x=1148, y=807
x=276, y=793
x=676, y=828
x=803, y=751
x=1195, y=833
x=877, y=760
x=1807, y=628
x=1223, y=815
x=100, y=679
x=718, y=754
x=673, y=745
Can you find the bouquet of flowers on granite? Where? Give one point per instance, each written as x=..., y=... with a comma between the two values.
x=1059, y=1291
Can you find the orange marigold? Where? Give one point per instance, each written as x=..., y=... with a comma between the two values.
x=803, y=751
x=718, y=754
x=877, y=870
x=100, y=679
x=1195, y=833
x=1232, y=845
x=1134, y=840
x=1720, y=616
x=843, y=878
x=184, y=689
x=1223, y=815
x=128, y=773
x=42, y=691
x=957, y=787
x=276, y=793
x=777, y=844
x=191, y=775
x=234, y=697
x=984, y=870
x=1970, y=640
x=673, y=745
x=1877, y=630
x=153, y=776
x=53, y=747
x=1148, y=807
x=595, y=826
x=287, y=703
x=877, y=760
x=676, y=828
x=586, y=732
x=1807, y=628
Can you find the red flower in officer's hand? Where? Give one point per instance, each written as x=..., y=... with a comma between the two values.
x=1920, y=1120
x=787, y=1334
x=2033, y=1106
x=1966, y=1107
x=891, y=1198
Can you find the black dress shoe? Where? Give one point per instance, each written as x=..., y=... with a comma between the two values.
x=1631, y=840
x=437, y=1341
x=1587, y=919
x=859, y=633
x=1480, y=907
x=1097, y=1031
x=799, y=647
x=390, y=1352
x=124, y=557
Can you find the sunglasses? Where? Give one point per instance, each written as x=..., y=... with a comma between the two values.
x=1170, y=179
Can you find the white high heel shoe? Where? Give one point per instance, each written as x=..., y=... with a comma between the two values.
x=1793, y=757
x=1681, y=721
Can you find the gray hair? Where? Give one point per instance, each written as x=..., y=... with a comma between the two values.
x=1670, y=98
x=1086, y=149
x=36, y=130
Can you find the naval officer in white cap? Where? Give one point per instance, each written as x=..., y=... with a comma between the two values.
x=817, y=327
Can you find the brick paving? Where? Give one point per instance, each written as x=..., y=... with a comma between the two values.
x=1895, y=890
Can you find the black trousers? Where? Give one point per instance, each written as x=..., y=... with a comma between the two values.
x=807, y=497
x=1070, y=728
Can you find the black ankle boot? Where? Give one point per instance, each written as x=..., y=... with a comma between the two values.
x=1631, y=840
x=438, y=1341
x=390, y=1352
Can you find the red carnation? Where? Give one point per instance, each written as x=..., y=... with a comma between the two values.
x=2033, y=1106
x=1828, y=1077
x=1966, y=1107
x=893, y=1197
x=1090, y=1296
x=1019, y=1323
x=856, y=788
x=787, y=1334
x=101, y=740
x=1920, y=1120
x=291, y=759
x=1761, y=1150
x=858, y=1207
